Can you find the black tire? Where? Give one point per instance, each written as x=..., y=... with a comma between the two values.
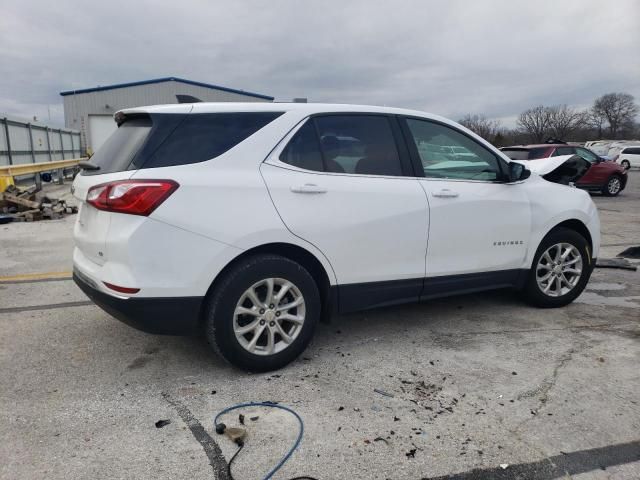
x=532, y=291
x=219, y=321
x=613, y=186
x=625, y=164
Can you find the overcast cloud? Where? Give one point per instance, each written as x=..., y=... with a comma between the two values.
x=447, y=57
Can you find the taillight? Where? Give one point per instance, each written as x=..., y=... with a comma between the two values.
x=135, y=197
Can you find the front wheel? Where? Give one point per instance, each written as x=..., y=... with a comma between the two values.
x=263, y=312
x=561, y=269
x=613, y=186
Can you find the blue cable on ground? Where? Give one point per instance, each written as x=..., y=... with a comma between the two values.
x=268, y=405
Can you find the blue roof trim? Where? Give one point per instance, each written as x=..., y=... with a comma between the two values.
x=166, y=79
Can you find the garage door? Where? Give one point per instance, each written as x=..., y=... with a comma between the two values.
x=100, y=128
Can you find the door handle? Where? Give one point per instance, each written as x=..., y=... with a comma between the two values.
x=308, y=188
x=445, y=193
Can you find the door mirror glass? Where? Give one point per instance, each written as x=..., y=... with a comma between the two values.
x=518, y=172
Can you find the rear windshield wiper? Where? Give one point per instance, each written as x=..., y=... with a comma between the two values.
x=87, y=165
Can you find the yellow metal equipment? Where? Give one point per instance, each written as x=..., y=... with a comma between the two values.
x=9, y=171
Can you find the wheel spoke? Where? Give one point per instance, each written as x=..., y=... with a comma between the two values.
x=572, y=261
x=558, y=284
x=248, y=328
x=269, y=298
x=299, y=319
x=547, y=257
x=285, y=336
x=252, y=344
x=545, y=277
x=281, y=293
x=572, y=270
x=246, y=311
x=253, y=296
x=270, y=341
x=290, y=305
x=547, y=287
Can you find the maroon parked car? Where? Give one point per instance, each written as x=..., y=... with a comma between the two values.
x=602, y=175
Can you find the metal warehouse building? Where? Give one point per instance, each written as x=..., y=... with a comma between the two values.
x=91, y=110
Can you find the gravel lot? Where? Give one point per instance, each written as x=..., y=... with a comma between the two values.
x=472, y=382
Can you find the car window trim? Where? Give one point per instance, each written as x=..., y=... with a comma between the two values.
x=417, y=162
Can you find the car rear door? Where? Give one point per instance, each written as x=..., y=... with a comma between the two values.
x=344, y=183
x=479, y=224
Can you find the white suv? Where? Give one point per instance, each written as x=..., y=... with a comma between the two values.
x=629, y=157
x=251, y=222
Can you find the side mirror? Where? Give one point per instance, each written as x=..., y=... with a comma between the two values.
x=518, y=172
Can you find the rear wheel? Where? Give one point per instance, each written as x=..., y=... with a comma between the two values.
x=263, y=313
x=613, y=186
x=561, y=269
x=625, y=164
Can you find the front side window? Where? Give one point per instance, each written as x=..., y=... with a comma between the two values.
x=447, y=153
x=352, y=144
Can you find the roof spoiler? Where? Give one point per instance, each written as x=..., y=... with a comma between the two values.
x=187, y=99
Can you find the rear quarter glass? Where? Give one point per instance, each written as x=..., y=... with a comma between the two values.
x=164, y=140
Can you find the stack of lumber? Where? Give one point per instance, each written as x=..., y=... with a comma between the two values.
x=23, y=205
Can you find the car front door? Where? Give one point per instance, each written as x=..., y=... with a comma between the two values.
x=479, y=223
x=344, y=183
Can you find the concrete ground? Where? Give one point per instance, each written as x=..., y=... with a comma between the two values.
x=473, y=387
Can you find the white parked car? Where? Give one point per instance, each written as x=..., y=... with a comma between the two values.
x=252, y=222
x=629, y=157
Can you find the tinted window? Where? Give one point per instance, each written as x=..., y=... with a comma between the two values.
x=563, y=151
x=361, y=144
x=587, y=155
x=204, y=136
x=303, y=151
x=516, y=153
x=164, y=140
x=447, y=153
x=116, y=153
x=632, y=151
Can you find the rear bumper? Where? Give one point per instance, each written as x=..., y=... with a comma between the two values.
x=163, y=316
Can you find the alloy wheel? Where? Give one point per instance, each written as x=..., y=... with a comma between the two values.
x=269, y=316
x=613, y=186
x=559, y=269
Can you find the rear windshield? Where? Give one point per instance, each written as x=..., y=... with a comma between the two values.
x=524, y=153
x=164, y=140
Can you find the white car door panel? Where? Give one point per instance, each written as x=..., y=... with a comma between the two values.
x=476, y=226
x=370, y=228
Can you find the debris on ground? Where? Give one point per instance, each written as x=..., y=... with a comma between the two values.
x=162, y=423
x=382, y=392
x=411, y=453
x=504, y=466
x=25, y=206
x=621, y=263
x=241, y=419
x=631, y=252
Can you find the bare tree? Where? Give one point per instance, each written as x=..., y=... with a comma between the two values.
x=481, y=125
x=619, y=109
x=535, y=123
x=596, y=121
x=564, y=120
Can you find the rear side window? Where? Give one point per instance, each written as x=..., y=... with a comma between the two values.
x=632, y=151
x=164, y=140
x=303, y=151
x=354, y=144
x=118, y=151
x=204, y=136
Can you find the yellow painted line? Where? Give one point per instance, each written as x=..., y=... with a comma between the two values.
x=35, y=276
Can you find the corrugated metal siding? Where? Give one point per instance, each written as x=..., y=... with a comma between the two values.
x=38, y=148
x=77, y=108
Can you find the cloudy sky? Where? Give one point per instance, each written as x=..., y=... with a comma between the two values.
x=451, y=57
